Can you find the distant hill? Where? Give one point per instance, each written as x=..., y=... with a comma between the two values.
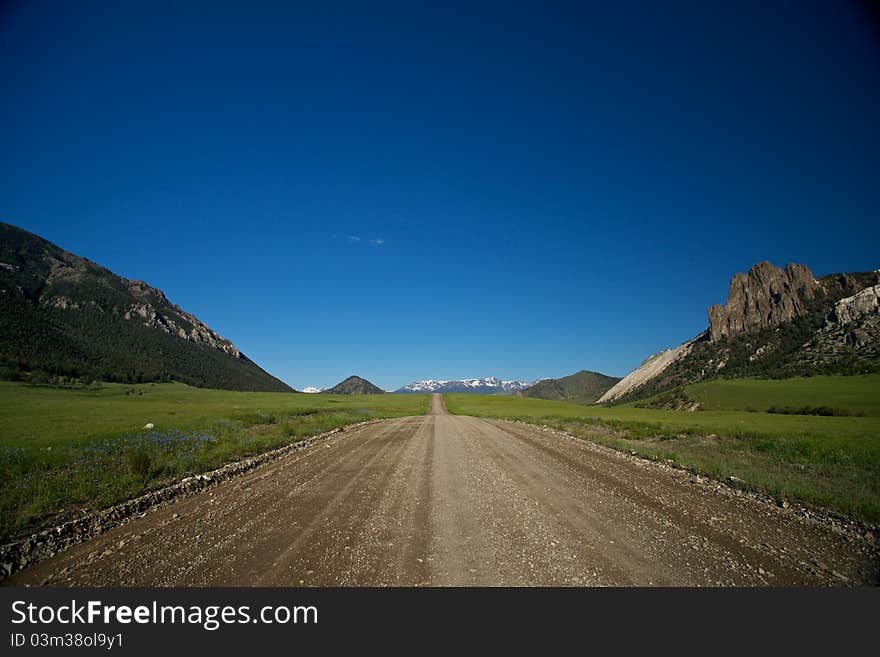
x=62, y=316
x=777, y=323
x=583, y=387
x=486, y=386
x=354, y=385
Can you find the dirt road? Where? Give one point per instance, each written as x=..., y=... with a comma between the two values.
x=452, y=500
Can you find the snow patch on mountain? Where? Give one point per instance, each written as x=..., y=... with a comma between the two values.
x=483, y=385
x=312, y=390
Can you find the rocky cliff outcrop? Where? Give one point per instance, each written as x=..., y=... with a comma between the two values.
x=776, y=323
x=851, y=335
x=764, y=297
x=852, y=309
x=152, y=307
x=187, y=327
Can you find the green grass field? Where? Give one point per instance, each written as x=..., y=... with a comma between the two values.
x=832, y=462
x=63, y=450
x=852, y=394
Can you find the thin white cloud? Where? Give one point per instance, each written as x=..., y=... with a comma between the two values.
x=357, y=239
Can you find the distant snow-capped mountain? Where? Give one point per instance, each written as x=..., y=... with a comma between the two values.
x=486, y=386
x=312, y=390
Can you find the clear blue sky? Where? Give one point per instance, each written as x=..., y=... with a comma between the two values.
x=555, y=186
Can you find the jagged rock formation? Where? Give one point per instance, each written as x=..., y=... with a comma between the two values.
x=776, y=323
x=852, y=309
x=765, y=296
x=353, y=385
x=63, y=315
x=186, y=326
x=850, y=336
x=583, y=387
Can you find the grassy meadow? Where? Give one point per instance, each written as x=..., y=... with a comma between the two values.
x=833, y=462
x=853, y=395
x=62, y=450
x=66, y=449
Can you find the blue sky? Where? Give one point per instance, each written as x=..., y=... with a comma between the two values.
x=461, y=190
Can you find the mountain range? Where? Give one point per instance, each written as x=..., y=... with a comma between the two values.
x=776, y=323
x=487, y=386
x=65, y=317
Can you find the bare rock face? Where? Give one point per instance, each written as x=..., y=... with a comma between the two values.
x=854, y=308
x=163, y=319
x=765, y=296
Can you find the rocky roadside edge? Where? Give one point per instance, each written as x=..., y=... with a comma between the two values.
x=41, y=545
x=864, y=536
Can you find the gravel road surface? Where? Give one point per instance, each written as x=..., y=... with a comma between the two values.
x=454, y=500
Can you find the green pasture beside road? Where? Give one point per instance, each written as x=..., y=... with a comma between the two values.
x=66, y=449
x=855, y=395
x=832, y=462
